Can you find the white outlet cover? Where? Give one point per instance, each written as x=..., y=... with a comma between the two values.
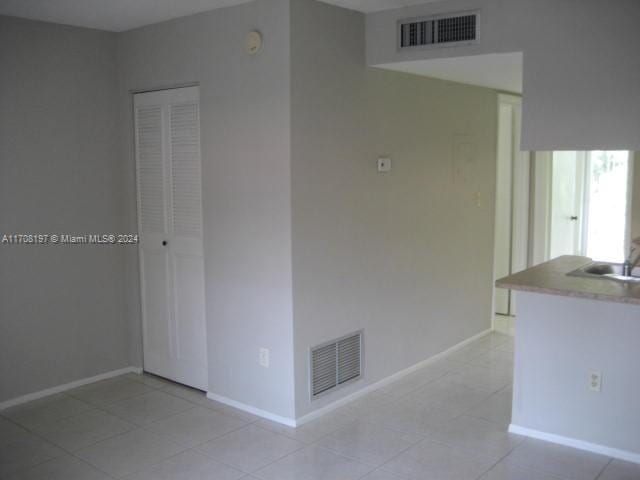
x=264, y=357
x=595, y=381
x=384, y=164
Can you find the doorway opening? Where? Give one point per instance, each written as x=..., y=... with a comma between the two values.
x=550, y=204
x=591, y=204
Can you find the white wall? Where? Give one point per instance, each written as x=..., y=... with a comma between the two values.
x=558, y=341
x=581, y=68
x=62, y=308
x=407, y=256
x=246, y=185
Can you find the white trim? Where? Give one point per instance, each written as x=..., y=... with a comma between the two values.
x=541, y=201
x=630, y=199
x=290, y=422
x=575, y=443
x=385, y=381
x=67, y=386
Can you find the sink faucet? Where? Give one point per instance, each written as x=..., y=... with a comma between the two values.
x=630, y=263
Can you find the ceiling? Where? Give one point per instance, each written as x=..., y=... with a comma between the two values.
x=499, y=71
x=121, y=15
x=375, y=5
x=112, y=15
x=502, y=71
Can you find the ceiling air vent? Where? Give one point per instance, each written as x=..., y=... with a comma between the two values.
x=335, y=363
x=439, y=30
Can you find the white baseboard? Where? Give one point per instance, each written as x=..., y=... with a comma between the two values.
x=505, y=324
x=67, y=386
x=575, y=443
x=289, y=422
x=385, y=381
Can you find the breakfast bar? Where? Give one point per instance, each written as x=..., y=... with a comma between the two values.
x=577, y=356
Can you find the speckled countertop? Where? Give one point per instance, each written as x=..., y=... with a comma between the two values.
x=551, y=278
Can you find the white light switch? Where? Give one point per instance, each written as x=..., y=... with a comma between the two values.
x=595, y=381
x=384, y=164
x=264, y=357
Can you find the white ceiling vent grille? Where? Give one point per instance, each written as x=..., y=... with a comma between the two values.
x=439, y=30
x=335, y=363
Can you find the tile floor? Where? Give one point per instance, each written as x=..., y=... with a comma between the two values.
x=447, y=421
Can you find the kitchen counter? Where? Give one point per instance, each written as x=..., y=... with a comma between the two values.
x=551, y=278
x=576, y=378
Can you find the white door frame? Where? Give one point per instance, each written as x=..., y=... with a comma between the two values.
x=514, y=166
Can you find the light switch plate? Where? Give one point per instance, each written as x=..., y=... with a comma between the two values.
x=264, y=357
x=384, y=164
x=595, y=381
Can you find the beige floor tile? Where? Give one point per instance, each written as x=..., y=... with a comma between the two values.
x=419, y=417
x=452, y=394
x=481, y=378
x=496, y=408
x=381, y=474
x=9, y=429
x=309, y=432
x=129, y=452
x=149, y=407
x=430, y=460
x=196, y=426
x=249, y=448
x=465, y=354
x=502, y=471
x=478, y=436
x=415, y=380
x=620, y=470
x=199, y=398
x=45, y=409
x=369, y=443
x=492, y=340
x=61, y=468
x=82, y=430
x=109, y=391
x=188, y=465
x=313, y=463
x=149, y=380
x=499, y=359
x=565, y=462
x=24, y=450
x=365, y=405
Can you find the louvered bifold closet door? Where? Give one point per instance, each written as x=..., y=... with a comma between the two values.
x=170, y=225
x=185, y=170
x=151, y=176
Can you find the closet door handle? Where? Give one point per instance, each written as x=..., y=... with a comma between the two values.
x=573, y=217
x=164, y=243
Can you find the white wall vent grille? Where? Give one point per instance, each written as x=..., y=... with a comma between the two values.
x=439, y=30
x=335, y=363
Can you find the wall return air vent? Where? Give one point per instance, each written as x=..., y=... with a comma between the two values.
x=335, y=363
x=439, y=30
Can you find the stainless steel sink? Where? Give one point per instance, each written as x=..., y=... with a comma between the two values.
x=606, y=271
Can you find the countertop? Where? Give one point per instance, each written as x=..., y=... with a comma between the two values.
x=551, y=278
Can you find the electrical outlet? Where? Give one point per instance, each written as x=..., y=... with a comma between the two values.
x=264, y=357
x=595, y=381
